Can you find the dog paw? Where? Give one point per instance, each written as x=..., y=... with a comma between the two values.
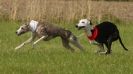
x=108, y=53
x=101, y=52
x=17, y=48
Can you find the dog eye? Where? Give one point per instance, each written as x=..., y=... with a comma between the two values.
x=22, y=28
x=83, y=22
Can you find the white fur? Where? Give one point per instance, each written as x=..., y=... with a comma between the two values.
x=39, y=40
x=85, y=23
x=33, y=25
x=19, y=30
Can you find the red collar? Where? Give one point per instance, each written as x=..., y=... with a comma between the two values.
x=94, y=34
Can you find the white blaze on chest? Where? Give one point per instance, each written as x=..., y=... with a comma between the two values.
x=33, y=25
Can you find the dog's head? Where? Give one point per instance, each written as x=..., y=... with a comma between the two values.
x=22, y=29
x=83, y=23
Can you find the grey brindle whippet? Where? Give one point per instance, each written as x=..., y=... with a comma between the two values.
x=46, y=31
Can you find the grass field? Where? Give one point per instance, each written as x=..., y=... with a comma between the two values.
x=51, y=58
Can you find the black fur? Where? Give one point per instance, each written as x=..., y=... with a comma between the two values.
x=108, y=33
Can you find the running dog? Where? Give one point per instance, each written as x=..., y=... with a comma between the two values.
x=102, y=34
x=46, y=31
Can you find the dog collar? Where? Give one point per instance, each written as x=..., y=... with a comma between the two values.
x=94, y=33
x=33, y=25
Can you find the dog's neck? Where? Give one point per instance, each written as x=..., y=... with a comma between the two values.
x=88, y=29
x=33, y=25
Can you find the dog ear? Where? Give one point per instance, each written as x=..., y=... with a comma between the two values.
x=90, y=22
x=27, y=23
x=89, y=19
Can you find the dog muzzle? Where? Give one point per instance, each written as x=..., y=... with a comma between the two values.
x=79, y=27
x=18, y=34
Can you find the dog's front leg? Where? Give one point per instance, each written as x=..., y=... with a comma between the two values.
x=21, y=45
x=27, y=41
x=93, y=42
x=43, y=37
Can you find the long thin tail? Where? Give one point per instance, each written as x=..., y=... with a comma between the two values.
x=122, y=44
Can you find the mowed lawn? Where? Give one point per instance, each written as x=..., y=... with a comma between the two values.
x=52, y=58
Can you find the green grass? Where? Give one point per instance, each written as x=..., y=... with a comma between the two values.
x=51, y=58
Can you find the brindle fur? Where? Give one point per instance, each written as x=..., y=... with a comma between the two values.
x=48, y=31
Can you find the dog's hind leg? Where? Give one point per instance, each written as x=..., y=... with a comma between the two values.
x=66, y=44
x=111, y=38
x=73, y=40
x=108, y=45
x=101, y=50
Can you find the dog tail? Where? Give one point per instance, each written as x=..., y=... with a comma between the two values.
x=122, y=44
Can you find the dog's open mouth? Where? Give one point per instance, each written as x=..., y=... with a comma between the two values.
x=81, y=27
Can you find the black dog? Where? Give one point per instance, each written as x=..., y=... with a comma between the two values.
x=103, y=33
